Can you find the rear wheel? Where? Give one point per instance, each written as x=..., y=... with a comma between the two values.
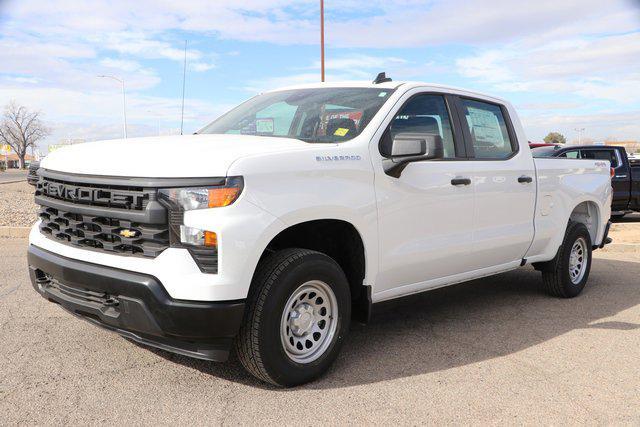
x=566, y=275
x=297, y=317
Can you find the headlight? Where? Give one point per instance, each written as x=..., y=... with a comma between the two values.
x=190, y=198
x=201, y=244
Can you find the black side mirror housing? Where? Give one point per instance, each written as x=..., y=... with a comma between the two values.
x=407, y=147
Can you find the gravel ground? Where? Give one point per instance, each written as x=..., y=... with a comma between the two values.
x=17, y=208
x=496, y=351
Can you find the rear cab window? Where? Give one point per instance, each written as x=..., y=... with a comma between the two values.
x=487, y=129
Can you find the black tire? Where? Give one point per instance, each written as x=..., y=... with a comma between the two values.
x=555, y=273
x=259, y=345
x=618, y=216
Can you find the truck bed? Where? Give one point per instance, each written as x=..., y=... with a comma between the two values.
x=562, y=184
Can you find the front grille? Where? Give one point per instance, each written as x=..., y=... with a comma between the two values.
x=120, y=219
x=117, y=215
x=104, y=233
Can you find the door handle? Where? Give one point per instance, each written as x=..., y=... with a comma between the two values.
x=460, y=181
x=525, y=179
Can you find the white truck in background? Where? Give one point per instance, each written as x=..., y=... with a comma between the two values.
x=275, y=225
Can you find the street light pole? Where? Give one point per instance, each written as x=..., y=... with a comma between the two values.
x=322, y=40
x=579, y=130
x=124, y=103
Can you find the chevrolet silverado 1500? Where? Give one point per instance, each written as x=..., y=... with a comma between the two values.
x=274, y=226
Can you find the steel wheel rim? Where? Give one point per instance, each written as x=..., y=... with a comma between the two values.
x=309, y=321
x=578, y=258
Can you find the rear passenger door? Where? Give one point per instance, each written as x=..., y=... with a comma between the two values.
x=503, y=181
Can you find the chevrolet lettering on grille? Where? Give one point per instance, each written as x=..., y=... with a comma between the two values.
x=74, y=193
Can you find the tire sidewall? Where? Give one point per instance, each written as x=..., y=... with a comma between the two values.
x=280, y=367
x=578, y=231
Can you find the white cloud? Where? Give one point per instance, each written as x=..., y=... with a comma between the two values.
x=120, y=64
x=27, y=80
x=377, y=24
x=596, y=68
x=598, y=127
x=53, y=50
x=201, y=66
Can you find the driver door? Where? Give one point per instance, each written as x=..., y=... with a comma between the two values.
x=425, y=216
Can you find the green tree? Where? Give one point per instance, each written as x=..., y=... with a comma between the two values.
x=555, y=138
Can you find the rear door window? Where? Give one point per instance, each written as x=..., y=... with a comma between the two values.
x=488, y=129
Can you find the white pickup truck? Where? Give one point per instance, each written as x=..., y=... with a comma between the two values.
x=273, y=227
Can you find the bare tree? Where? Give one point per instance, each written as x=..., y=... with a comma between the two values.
x=21, y=129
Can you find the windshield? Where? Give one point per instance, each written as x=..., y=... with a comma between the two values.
x=312, y=115
x=544, y=151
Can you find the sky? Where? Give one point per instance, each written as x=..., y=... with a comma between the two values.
x=565, y=65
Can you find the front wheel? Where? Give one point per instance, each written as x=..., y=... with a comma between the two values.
x=297, y=317
x=566, y=275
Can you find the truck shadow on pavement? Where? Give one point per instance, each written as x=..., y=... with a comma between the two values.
x=462, y=325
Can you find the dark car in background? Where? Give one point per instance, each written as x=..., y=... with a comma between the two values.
x=625, y=178
x=32, y=175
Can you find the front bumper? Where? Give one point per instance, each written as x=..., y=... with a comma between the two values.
x=136, y=306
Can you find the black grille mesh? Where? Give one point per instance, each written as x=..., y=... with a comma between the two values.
x=103, y=233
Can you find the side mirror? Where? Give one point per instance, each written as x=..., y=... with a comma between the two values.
x=410, y=147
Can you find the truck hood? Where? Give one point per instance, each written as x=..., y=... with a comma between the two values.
x=164, y=157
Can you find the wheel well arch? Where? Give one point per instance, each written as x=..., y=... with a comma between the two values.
x=341, y=241
x=587, y=213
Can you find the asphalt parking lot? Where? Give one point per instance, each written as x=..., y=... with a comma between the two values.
x=495, y=351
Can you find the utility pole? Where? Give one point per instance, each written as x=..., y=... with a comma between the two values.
x=124, y=103
x=579, y=130
x=322, y=40
x=184, y=79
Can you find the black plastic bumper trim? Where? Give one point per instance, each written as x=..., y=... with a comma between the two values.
x=136, y=306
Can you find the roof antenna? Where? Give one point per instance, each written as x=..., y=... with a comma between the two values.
x=381, y=78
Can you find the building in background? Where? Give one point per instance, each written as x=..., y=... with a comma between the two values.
x=10, y=160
